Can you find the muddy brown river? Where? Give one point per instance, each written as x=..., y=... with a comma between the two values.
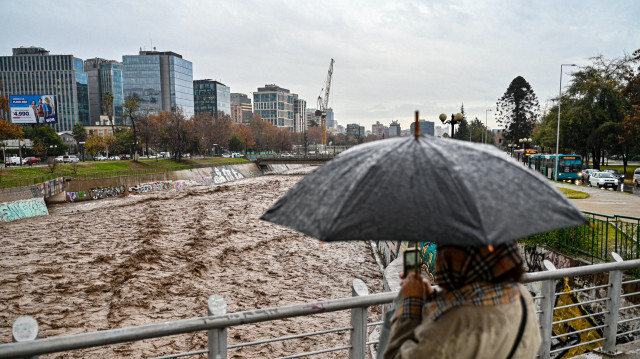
x=157, y=257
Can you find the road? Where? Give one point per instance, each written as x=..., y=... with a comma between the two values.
x=606, y=201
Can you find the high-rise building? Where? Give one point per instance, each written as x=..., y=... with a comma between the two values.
x=33, y=71
x=104, y=76
x=211, y=97
x=299, y=114
x=331, y=122
x=275, y=105
x=243, y=102
x=355, y=130
x=426, y=128
x=161, y=81
x=377, y=129
x=394, y=129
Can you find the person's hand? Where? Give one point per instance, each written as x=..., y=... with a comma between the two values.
x=415, y=286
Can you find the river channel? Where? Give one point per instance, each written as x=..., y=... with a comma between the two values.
x=157, y=257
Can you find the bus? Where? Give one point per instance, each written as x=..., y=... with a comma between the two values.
x=517, y=154
x=569, y=166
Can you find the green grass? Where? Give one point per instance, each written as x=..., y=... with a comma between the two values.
x=23, y=176
x=573, y=194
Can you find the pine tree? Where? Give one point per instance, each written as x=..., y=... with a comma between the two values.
x=518, y=110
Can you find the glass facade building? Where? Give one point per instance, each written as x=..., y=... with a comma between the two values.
x=211, y=97
x=160, y=81
x=104, y=76
x=275, y=105
x=33, y=71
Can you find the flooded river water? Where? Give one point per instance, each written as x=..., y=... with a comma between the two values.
x=157, y=257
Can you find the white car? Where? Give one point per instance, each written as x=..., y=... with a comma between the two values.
x=59, y=159
x=70, y=158
x=603, y=179
x=101, y=158
x=286, y=154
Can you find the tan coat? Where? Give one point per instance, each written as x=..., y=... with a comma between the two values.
x=468, y=332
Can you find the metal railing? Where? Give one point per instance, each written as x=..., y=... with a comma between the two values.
x=26, y=344
x=603, y=235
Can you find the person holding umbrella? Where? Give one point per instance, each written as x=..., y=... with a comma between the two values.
x=480, y=311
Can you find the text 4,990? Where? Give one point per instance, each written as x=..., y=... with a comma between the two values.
x=21, y=113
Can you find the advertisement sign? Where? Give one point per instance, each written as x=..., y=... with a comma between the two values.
x=33, y=109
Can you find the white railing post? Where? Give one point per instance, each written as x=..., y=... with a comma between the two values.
x=613, y=308
x=25, y=328
x=358, y=322
x=217, y=338
x=546, y=317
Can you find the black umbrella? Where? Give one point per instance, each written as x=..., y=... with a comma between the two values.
x=424, y=189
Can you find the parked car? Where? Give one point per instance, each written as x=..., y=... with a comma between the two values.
x=113, y=158
x=586, y=173
x=617, y=175
x=125, y=157
x=100, y=158
x=636, y=177
x=603, y=179
x=59, y=159
x=70, y=158
x=12, y=161
x=286, y=154
x=30, y=160
x=226, y=155
x=236, y=155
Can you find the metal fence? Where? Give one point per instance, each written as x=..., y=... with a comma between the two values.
x=605, y=329
x=603, y=235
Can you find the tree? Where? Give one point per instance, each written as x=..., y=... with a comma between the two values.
x=244, y=133
x=131, y=106
x=595, y=107
x=235, y=144
x=518, y=110
x=107, y=102
x=8, y=130
x=96, y=144
x=79, y=133
x=48, y=138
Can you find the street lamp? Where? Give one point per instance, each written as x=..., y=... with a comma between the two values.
x=455, y=119
x=524, y=142
x=485, y=125
x=82, y=148
x=558, y=133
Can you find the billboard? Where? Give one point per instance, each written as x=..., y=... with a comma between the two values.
x=33, y=109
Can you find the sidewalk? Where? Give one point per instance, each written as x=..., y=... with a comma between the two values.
x=605, y=201
x=624, y=351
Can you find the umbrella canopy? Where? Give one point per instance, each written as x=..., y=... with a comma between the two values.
x=424, y=189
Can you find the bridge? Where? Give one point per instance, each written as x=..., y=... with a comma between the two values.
x=277, y=160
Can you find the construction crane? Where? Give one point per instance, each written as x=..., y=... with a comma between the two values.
x=323, y=103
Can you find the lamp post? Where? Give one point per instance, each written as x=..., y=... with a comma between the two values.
x=524, y=142
x=82, y=149
x=558, y=133
x=485, y=125
x=455, y=119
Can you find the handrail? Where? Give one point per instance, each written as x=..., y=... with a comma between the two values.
x=225, y=320
x=127, y=334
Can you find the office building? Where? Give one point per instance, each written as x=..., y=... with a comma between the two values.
x=33, y=71
x=331, y=122
x=426, y=128
x=394, y=129
x=276, y=106
x=104, y=76
x=377, y=129
x=211, y=97
x=160, y=81
x=355, y=130
x=299, y=114
x=244, y=111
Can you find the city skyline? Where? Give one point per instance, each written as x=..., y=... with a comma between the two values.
x=391, y=58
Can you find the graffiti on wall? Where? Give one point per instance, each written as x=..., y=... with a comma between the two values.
x=578, y=327
x=224, y=174
x=534, y=256
x=12, y=211
x=428, y=251
x=51, y=187
x=113, y=191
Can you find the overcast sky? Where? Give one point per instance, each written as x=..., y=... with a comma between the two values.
x=391, y=58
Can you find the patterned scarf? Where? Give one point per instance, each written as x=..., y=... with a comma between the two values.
x=475, y=277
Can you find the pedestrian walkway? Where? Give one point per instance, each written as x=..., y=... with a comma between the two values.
x=606, y=201
x=624, y=351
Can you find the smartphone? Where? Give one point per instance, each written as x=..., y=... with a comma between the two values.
x=411, y=261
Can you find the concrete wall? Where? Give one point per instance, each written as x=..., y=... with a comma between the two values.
x=45, y=189
x=27, y=208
